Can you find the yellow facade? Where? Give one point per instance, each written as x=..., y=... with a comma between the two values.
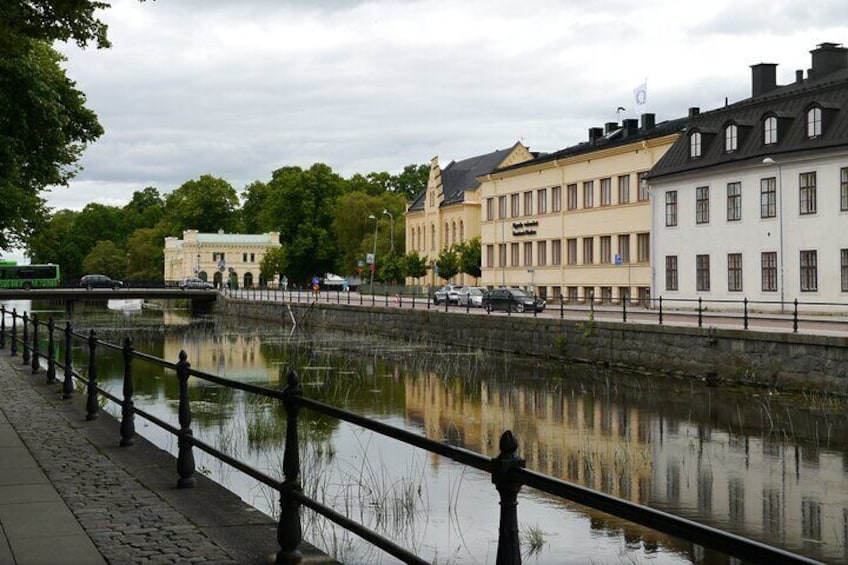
x=573, y=227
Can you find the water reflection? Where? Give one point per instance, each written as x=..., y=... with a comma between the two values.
x=767, y=466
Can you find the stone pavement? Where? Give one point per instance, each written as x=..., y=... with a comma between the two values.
x=70, y=494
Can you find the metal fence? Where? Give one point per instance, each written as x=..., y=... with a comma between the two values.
x=27, y=334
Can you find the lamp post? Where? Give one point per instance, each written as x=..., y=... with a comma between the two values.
x=374, y=253
x=391, y=229
x=770, y=161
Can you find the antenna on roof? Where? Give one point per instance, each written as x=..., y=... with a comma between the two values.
x=619, y=110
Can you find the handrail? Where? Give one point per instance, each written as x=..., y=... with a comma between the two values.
x=507, y=469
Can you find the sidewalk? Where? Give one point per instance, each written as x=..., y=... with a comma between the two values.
x=69, y=494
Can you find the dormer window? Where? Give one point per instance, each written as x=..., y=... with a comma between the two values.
x=814, y=122
x=770, y=130
x=731, y=138
x=695, y=145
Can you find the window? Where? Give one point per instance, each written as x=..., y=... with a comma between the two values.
x=502, y=207
x=809, y=271
x=695, y=145
x=218, y=256
x=702, y=205
x=814, y=122
x=606, y=192
x=844, y=269
x=542, y=201
x=606, y=249
x=768, y=197
x=433, y=232
x=542, y=253
x=588, y=250
x=643, y=186
x=528, y=253
x=768, y=269
x=702, y=272
x=843, y=189
x=244, y=257
x=447, y=234
x=734, y=201
x=453, y=227
x=514, y=259
x=490, y=255
x=624, y=248
x=588, y=194
x=556, y=252
x=502, y=255
x=556, y=199
x=671, y=208
x=807, y=194
x=734, y=272
x=770, y=130
x=572, y=196
x=624, y=189
x=643, y=245
x=671, y=272
x=490, y=208
x=515, y=202
x=462, y=231
x=528, y=203
x=731, y=138
x=571, y=245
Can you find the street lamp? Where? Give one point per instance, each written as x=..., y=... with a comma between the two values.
x=374, y=253
x=770, y=161
x=391, y=229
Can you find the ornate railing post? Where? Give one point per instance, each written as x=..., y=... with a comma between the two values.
x=795, y=317
x=68, y=383
x=25, y=340
x=185, y=458
x=745, y=301
x=509, y=546
x=127, y=412
x=289, y=532
x=35, y=353
x=91, y=405
x=700, y=312
x=14, y=350
x=51, y=351
x=2, y=327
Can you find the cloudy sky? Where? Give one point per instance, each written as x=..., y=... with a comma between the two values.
x=238, y=88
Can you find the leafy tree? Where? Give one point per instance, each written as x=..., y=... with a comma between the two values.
x=55, y=243
x=470, y=257
x=448, y=263
x=146, y=255
x=206, y=204
x=390, y=269
x=414, y=265
x=106, y=258
x=145, y=209
x=49, y=20
x=274, y=263
x=255, y=197
x=412, y=181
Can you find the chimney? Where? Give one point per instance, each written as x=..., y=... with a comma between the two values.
x=763, y=78
x=694, y=111
x=595, y=134
x=648, y=122
x=630, y=127
x=827, y=58
x=799, y=76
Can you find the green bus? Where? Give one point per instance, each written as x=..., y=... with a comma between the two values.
x=13, y=275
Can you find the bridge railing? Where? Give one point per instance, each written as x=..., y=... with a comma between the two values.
x=507, y=469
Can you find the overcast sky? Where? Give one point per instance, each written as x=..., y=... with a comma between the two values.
x=238, y=88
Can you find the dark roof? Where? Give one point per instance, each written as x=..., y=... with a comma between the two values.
x=461, y=176
x=788, y=103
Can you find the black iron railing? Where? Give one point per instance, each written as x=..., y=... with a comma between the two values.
x=506, y=469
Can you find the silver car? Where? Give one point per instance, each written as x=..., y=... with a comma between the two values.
x=448, y=293
x=472, y=296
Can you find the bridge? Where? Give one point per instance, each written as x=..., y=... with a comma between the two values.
x=201, y=299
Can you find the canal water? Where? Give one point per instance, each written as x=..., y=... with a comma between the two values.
x=765, y=465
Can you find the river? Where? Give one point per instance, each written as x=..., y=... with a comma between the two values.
x=766, y=465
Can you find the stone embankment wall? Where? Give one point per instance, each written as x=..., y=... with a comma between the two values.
x=785, y=361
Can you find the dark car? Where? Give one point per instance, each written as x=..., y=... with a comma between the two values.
x=512, y=299
x=99, y=281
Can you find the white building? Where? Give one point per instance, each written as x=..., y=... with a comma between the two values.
x=752, y=201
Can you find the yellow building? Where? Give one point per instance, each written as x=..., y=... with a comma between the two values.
x=218, y=256
x=576, y=223
x=448, y=211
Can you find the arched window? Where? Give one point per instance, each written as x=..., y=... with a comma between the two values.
x=418, y=240
x=461, y=231
x=432, y=237
x=695, y=144
x=248, y=280
x=453, y=233
x=770, y=130
x=814, y=122
x=731, y=138
x=447, y=235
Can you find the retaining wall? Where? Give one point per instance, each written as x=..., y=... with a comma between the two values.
x=785, y=361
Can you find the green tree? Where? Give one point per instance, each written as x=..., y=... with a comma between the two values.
x=146, y=255
x=390, y=268
x=412, y=181
x=106, y=258
x=145, y=209
x=470, y=256
x=274, y=263
x=448, y=263
x=207, y=204
x=414, y=265
x=56, y=243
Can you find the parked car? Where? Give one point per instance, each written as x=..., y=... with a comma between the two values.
x=512, y=299
x=449, y=293
x=99, y=281
x=195, y=283
x=472, y=296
